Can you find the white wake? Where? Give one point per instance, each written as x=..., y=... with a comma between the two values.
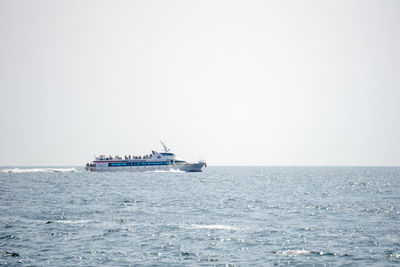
x=37, y=170
x=170, y=170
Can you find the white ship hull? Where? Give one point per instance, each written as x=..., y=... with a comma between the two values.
x=187, y=167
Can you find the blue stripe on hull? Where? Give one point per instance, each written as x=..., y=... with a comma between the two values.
x=149, y=163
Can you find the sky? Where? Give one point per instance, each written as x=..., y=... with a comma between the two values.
x=231, y=82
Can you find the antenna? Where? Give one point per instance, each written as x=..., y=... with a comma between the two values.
x=165, y=147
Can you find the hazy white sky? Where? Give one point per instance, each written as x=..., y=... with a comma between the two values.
x=234, y=82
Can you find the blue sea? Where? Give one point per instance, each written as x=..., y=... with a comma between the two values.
x=224, y=216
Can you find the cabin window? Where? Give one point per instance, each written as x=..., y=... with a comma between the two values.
x=167, y=154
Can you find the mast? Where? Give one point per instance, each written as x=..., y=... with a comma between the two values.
x=165, y=147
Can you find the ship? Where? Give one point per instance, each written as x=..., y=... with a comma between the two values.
x=155, y=161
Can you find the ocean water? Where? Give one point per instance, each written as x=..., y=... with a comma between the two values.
x=224, y=216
